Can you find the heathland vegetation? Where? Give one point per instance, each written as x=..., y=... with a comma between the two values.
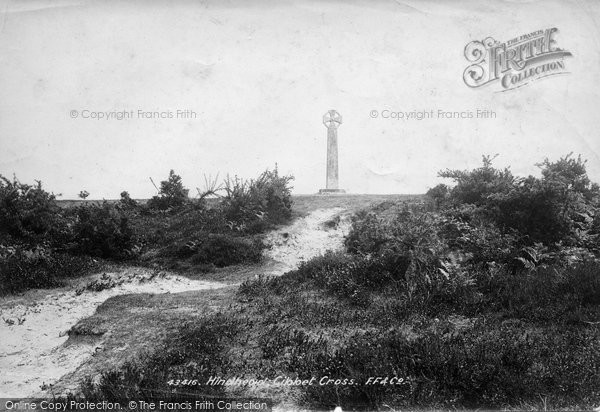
x=485, y=294
x=43, y=243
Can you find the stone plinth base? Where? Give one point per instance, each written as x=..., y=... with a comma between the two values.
x=331, y=191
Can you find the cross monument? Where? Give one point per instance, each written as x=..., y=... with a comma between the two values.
x=332, y=120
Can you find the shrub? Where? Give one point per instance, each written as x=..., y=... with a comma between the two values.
x=405, y=245
x=368, y=234
x=102, y=231
x=126, y=202
x=225, y=250
x=438, y=194
x=28, y=212
x=256, y=203
x=345, y=276
x=475, y=187
x=171, y=194
x=217, y=249
x=23, y=268
x=479, y=240
x=558, y=207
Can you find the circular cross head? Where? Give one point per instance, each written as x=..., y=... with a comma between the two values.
x=332, y=119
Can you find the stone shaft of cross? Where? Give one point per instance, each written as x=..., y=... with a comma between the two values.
x=332, y=121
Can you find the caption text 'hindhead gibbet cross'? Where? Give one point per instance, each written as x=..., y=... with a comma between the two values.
x=332, y=120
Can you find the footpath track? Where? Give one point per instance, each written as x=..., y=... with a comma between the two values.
x=37, y=347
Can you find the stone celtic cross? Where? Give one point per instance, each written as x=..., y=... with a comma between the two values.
x=332, y=120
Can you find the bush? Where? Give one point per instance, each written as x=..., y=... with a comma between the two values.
x=558, y=207
x=480, y=241
x=345, y=276
x=217, y=249
x=28, y=212
x=405, y=245
x=171, y=194
x=258, y=203
x=22, y=268
x=126, y=202
x=225, y=250
x=102, y=231
x=438, y=195
x=474, y=187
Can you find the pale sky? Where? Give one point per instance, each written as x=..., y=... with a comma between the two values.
x=261, y=74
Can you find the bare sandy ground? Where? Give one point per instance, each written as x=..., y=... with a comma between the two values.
x=33, y=354
x=306, y=238
x=34, y=326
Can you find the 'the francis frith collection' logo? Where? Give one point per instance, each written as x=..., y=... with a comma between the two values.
x=516, y=62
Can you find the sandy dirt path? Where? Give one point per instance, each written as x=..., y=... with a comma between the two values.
x=306, y=238
x=33, y=354
x=33, y=327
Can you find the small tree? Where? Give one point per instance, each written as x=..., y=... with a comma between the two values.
x=171, y=193
x=173, y=189
x=126, y=201
x=438, y=194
